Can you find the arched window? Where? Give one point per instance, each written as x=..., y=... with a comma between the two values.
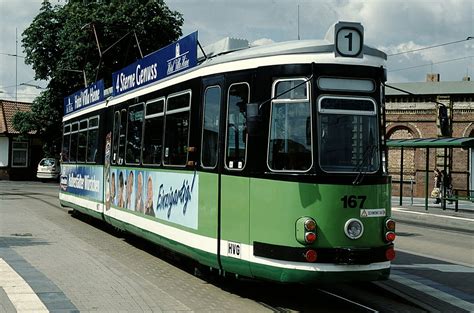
x=394, y=157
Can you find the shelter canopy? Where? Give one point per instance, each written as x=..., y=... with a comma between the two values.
x=447, y=142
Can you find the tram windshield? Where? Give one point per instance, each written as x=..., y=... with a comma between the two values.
x=348, y=134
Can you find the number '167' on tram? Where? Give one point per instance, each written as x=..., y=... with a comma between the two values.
x=266, y=162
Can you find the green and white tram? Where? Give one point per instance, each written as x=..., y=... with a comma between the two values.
x=266, y=162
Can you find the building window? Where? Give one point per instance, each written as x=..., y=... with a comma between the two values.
x=20, y=154
x=395, y=157
x=4, y=142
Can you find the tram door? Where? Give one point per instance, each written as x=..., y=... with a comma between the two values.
x=234, y=184
x=209, y=177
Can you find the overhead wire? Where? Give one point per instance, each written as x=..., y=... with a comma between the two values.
x=430, y=47
x=432, y=63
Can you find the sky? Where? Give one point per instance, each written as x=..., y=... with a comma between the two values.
x=393, y=26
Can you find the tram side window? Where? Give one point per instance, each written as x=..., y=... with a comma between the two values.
x=74, y=140
x=66, y=142
x=236, y=141
x=153, y=133
x=122, y=136
x=177, y=129
x=210, y=130
x=289, y=147
x=115, y=141
x=92, y=140
x=82, y=141
x=134, y=134
x=349, y=136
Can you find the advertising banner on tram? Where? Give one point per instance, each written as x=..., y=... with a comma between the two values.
x=92, y=94
x=167, y=61
x=171, y=197
x=82, y=180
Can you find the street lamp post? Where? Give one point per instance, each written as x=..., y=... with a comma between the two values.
x=31, y=85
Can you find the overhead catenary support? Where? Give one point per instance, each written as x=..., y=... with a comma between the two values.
x=101, y=53
x=77, y=71
x=138, y=44
x=202, y=50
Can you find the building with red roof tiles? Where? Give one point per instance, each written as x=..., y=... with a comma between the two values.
x=19, y=156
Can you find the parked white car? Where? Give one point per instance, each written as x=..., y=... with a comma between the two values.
x=48, y=168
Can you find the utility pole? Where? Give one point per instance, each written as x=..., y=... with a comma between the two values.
x=298, y=22
x=16, y=64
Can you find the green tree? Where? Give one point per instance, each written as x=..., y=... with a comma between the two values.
x=61, y=42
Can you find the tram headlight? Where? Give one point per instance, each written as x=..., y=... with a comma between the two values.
x=354, y=228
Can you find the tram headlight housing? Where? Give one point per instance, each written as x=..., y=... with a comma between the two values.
x=389, y=230
x=306, y=230
x=354, y=229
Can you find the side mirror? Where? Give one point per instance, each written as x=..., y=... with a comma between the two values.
x=254, y=119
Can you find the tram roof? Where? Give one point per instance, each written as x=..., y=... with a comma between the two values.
x=285, y=48
x=459, y=142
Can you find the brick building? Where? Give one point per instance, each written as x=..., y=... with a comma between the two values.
x=433, y=109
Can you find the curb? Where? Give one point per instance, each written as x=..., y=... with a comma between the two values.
x=455, y=223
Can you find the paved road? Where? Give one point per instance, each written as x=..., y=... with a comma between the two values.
x=436, y=253
x=73, y=265
x=76, y=264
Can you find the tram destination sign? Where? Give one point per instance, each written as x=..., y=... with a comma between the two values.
x=167, y=61
x=92, y=94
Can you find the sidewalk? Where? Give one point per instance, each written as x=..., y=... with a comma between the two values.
x=415, y=213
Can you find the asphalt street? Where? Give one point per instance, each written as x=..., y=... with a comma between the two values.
x=50, y=261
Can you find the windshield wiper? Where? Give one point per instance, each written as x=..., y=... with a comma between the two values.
x=364, y=163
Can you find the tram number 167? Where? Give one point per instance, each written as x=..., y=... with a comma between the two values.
x=353, y=201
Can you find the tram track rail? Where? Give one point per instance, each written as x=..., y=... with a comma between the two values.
x=357, y=304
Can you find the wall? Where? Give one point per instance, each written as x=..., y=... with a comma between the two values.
x=4, y=151
x=410, y=117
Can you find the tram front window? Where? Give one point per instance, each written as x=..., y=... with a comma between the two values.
x=348, y=135
x=289, y=146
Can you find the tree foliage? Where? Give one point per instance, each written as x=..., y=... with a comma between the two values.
x=61, y=42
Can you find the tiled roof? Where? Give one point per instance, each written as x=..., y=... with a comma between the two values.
x=7, y=111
